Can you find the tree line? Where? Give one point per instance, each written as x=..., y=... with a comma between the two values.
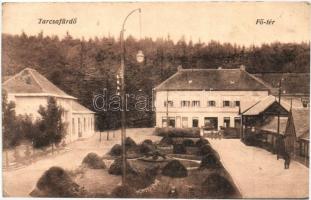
x=83, y=68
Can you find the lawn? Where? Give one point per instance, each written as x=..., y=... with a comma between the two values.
x=147, y=178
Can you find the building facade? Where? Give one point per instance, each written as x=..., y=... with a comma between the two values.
x=211, y=98
x=29, y=90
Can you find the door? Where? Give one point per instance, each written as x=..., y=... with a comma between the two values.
x=171, y=122
x=237, y=122
x=195, y=122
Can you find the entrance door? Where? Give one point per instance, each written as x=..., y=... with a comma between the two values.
x=171, y=122
x=211, y=123
x=237, y=122
x=195, y=122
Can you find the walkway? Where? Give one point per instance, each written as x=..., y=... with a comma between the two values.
x=258, y=174
x=20, y=182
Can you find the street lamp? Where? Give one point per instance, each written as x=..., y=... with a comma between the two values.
x=140, y=58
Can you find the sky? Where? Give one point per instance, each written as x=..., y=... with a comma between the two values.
x=233, y=22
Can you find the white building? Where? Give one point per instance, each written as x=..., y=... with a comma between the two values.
x=29, y=89
x=207, y=97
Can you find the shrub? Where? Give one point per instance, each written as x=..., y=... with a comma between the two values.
x=210, y=161
x=145, y=148
x=174, y=169
x=123, y=191
x=140, y=181
x=130, y=143
x=152, y=171
x=166, y=141
x=179, y=149
x=205, y=149
x=188, y=143
x=178, y=132
x=93, y=161
x=116, y=150
x=55, y=182
x=116, y=168
x=217, y=186
x=201, y=142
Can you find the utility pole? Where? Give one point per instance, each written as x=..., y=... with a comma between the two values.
x=140, y=58
x=167, y=120
x=278, y=126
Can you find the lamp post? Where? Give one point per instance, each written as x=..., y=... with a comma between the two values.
x=140, y=58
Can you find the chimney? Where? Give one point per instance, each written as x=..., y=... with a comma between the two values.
x=179, y=68
x=242, y=67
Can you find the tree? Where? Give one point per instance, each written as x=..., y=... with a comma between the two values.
x=10, y=127
x=52, y=129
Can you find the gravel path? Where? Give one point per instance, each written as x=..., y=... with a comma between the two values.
x=258, y=174
x=20, y=182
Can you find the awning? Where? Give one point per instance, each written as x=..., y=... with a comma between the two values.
x=268, y=106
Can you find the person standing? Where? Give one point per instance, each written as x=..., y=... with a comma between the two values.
x=286, y=160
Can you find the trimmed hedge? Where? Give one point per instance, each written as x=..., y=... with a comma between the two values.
x=201, y=142
x=56, y=182
x=178, y=132
x=123, y=191
x=175, y=169
x=116, y=150
x=93, y=161
x=116, y=168
x=188, y=143
x=210, y=161
x=205, y=149
x=130, y=143
x=217, y=186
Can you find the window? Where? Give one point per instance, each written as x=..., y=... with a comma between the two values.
x=73, y=126
x=79, y=128
x=237, y=103
x=168, y=103
x=195, y=122
x=211, y=103
x=84, y=124
x=227, y=122
x=226, y=103
x=195, y=104
x=305, y=102
x=185, y=103
x=184, y=122
x=164, y=124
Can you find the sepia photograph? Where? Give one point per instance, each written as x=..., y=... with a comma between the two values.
x=191, y=100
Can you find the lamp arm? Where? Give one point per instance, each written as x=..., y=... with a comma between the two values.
x=123, y=25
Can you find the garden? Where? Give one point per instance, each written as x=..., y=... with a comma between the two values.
x=176, y=166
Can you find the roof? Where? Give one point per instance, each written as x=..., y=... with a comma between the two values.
x=292, y=83
x=213, y=79
x=301, y=121
x=267, y=104
x=78, y=108
x=29, y=81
